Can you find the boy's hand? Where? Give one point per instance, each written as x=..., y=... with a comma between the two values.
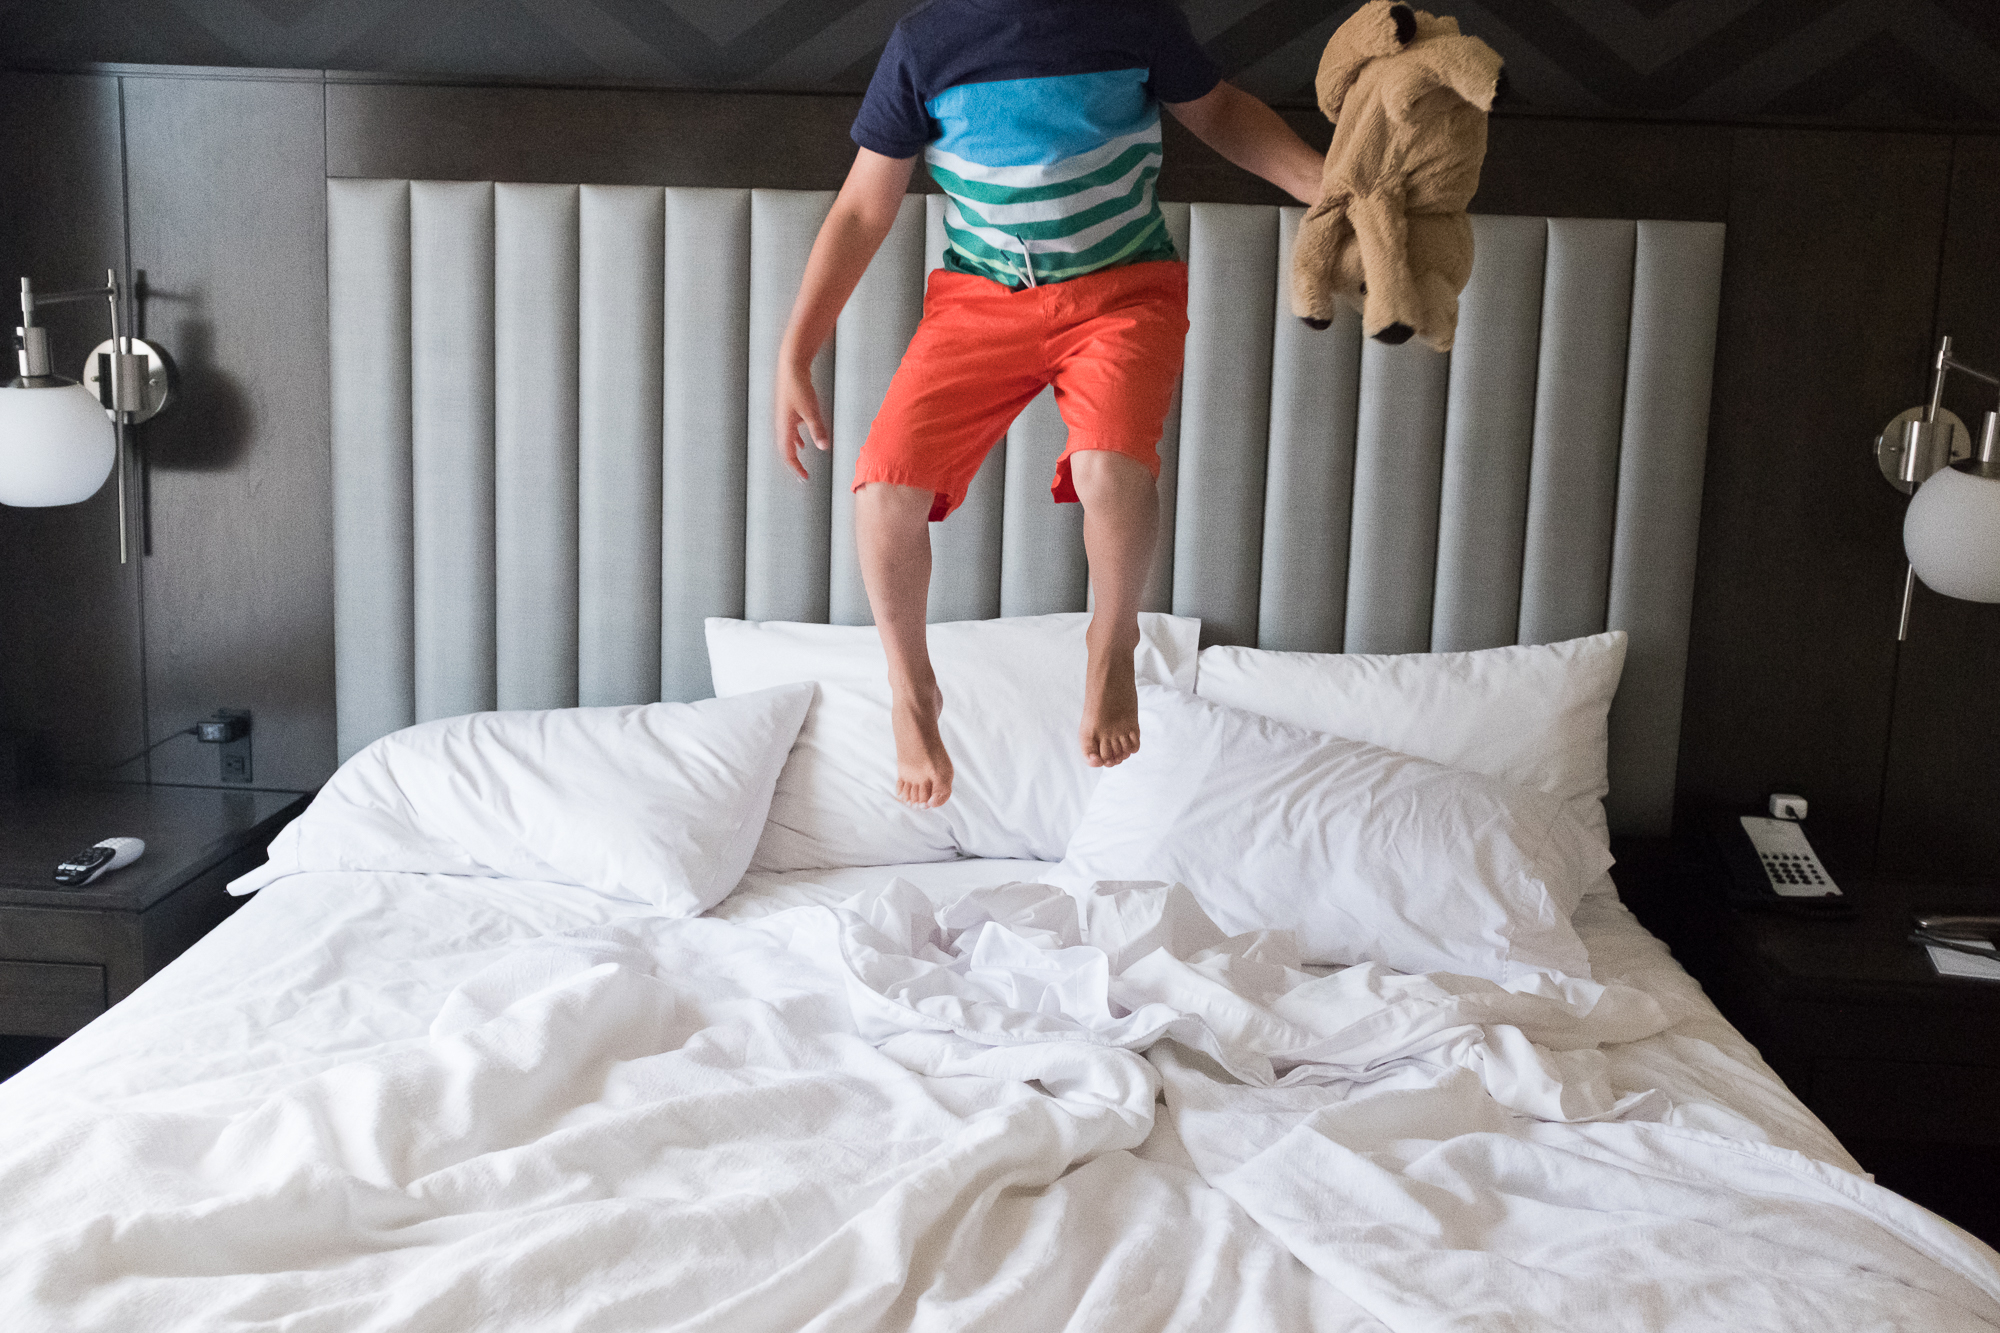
x=861, y=216
x=795, y=404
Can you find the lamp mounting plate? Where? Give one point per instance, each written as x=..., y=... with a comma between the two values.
x=1889, y=444
x=156, y=382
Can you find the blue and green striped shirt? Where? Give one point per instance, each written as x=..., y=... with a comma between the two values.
x=1041, y=123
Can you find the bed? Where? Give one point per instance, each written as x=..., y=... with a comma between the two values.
x=507, y=1036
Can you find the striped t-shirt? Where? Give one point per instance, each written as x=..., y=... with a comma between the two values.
x=1041, y=123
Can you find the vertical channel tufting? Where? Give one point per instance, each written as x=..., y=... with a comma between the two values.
x=787, y=522
x=874, y=328
x=1489, y=438
x=540, y=389
x=705, y=427
x=1676, y=290
x=534, y=445
x=965, y=548
x=1579, y=411
x=368, y=278
x=1159, y=594
x=621, y=286
x=1309, y=478
x=1042, y=567
x=451, y=444
x=1225, y=418
x=1398, y=474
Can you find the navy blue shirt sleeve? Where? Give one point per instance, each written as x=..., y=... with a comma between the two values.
x=892, y=120
x=1182, y=71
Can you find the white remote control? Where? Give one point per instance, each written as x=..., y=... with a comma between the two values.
x=1789, y=862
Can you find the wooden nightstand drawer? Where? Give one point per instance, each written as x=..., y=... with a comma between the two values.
x=49, y=999
x=1897, y=1100
x=53, y=934
x=71, y=953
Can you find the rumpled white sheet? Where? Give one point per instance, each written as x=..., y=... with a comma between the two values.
x=881, y=1115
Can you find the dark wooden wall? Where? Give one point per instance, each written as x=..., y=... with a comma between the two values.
x=211, y=185
x=1849, y=252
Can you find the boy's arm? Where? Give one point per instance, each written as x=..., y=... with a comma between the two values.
x=861, y=216
x=1251, y=135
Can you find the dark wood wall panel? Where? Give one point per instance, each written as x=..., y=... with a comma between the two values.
x=69, y=613
x=1605, y=169
x=1826, y=312
x=1942, y=786
x=228, y=204
x=603, y=136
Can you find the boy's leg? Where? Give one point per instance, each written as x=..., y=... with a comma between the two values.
x=892, y=534
x=973, y=364
x=1121, y=517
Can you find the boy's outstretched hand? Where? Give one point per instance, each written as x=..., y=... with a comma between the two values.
x=795, y=404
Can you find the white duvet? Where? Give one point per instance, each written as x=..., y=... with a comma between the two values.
x=433, y=1102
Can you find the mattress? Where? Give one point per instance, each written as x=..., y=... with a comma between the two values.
x=323, y=975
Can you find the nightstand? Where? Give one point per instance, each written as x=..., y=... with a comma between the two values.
x=66, y=955
x=1902, y=1064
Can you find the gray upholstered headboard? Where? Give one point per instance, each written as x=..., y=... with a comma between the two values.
x=550, y=409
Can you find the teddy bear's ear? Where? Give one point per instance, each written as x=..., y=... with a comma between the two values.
x=1380, y=28
x=1466, y=65
x=1473, y=69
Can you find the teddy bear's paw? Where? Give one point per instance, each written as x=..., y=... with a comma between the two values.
x=1406, y=23
x=1315, y=324
x=1396, y=334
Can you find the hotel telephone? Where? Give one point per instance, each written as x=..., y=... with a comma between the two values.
x=1770, y=863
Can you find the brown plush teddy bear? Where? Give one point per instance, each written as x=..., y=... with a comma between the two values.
x=1408, y=97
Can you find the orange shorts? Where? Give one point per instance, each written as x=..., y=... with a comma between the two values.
x=1110, y=342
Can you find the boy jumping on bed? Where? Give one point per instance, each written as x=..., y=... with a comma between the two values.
x=1040, y=121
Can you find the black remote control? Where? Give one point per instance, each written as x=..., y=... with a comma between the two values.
x=84, y=866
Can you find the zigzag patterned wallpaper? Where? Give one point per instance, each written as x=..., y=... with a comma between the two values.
x=1862, y=62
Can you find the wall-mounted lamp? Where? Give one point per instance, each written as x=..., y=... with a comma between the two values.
x=1952, y=530
x=54, y=449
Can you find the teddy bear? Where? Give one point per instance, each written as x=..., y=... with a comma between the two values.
x=1408, y=95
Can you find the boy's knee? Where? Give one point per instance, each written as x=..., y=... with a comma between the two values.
x=1090, y=469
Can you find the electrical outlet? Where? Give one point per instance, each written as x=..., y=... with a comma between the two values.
x=235, y=755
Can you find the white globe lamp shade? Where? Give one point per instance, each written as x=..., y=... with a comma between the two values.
x=1952, y=534
x=56, y=445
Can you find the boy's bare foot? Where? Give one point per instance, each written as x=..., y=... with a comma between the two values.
x=923, y=769
x=1110, y=730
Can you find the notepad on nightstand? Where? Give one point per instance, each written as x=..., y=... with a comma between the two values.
x=1953, y=963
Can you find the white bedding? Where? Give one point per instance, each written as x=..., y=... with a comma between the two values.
x=381, y=1100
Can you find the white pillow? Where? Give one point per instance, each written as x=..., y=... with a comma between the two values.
x=1013, y=696
x=658, y=803
x=1533, y=715
x=1365, y=854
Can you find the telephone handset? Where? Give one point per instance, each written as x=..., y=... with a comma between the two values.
x=1771, y=864
x=1791, y=869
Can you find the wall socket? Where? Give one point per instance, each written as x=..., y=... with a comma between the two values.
x=235, y=755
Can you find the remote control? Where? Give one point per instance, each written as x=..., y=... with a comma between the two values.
x=1788, y=859
x=88, y=864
